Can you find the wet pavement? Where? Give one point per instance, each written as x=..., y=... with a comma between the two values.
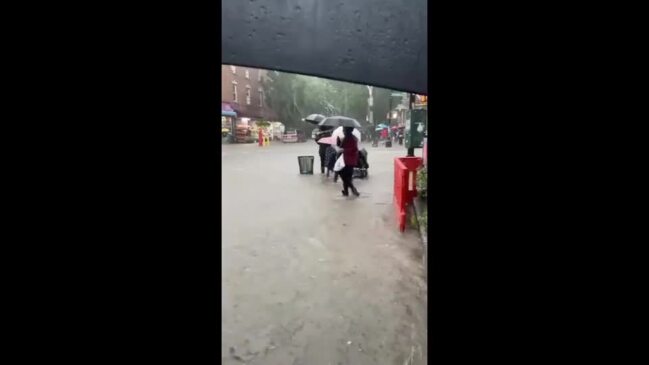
x=311, y=277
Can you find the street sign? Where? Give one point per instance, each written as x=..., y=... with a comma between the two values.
x=415, y=127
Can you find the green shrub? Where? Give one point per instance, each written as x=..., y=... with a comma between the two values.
x=422, y=182
x=423, y=220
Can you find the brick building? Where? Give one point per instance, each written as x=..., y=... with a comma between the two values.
x=242, y=92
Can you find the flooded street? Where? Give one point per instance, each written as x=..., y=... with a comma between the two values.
x=311, y=277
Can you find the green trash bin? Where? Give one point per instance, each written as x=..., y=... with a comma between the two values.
x=306, y=164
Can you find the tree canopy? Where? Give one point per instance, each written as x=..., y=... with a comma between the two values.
x=294, y=96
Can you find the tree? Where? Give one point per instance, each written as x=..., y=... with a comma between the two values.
x=381, y=104
x=294, y=96
x=352, y=99
x=279, y=91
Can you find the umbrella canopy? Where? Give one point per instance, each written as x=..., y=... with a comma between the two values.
x=381, y=26
x=340, y=122
x=381, y=126
x=327, y=140
x=314, y=118
x=227, y=113
x=322, y=134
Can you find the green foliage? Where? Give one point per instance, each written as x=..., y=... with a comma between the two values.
x=422, y=182
x=381, y=103
x=423, y=220
x=294, y=96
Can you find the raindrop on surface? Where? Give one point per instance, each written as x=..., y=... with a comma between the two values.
x=297, y=8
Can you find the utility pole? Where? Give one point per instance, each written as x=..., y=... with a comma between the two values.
x=390, y=113
x=411, y=150
x=370, y=107
x=370, y=104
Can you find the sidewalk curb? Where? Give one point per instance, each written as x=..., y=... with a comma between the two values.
x=424, y=236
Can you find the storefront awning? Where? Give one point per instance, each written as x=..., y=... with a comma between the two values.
x=227, y=113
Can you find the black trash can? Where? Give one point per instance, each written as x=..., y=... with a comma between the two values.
x=306, y=164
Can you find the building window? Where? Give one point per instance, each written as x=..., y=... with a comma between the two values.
x=234, y=92
x=248, y=95
x=234, y=69
x=247, y=74
x=261, y=97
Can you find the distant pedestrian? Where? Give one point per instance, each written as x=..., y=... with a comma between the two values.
x=349, y=144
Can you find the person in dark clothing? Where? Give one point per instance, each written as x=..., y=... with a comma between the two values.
x=330, y=161
x=322, y=151
x=350, y=155
x=322, y=147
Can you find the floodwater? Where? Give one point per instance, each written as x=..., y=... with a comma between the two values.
x=311, y=277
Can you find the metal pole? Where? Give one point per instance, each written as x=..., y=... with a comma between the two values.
x=411, y=150
x=390, y=113
x=370, y=105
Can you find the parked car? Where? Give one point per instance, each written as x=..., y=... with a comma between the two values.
x=290, y=136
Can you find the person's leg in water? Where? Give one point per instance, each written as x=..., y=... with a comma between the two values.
x=347, y=175
x=343, y=176
x=330, y=161
x=350, y=181
x=322, y=159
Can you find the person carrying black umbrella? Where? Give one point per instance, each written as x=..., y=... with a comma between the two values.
x=323, y=131
x=322, y=147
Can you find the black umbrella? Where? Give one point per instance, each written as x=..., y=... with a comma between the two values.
x=314, y=118
x=340, y=122
x=283, y=37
